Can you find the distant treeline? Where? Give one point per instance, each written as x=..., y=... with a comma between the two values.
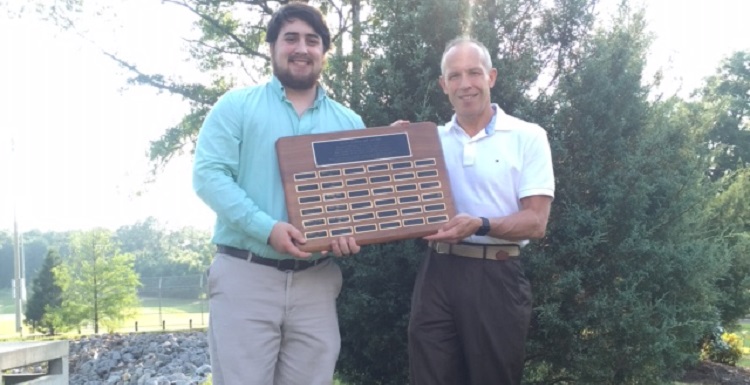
x=158, y=251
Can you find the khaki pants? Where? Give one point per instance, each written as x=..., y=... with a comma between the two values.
x=272, y=327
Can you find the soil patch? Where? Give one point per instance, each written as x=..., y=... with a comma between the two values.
x=711, y=373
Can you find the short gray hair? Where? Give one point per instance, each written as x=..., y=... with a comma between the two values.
x=484, y=53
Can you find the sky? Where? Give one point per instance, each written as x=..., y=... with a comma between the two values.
x=74, y=136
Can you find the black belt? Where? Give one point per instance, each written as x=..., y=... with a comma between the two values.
x=281, y=264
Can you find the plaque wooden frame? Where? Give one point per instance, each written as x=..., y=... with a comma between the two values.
x=377, y=185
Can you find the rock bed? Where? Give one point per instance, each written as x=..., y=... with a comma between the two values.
x=140, y=359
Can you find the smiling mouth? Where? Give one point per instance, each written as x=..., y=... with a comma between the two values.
x=300, y=60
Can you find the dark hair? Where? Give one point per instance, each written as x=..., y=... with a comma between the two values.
x=299, y=11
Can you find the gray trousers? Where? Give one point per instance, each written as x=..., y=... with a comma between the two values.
x=469, y=320
x=272, y=327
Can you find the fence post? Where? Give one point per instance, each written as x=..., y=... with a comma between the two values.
x=191, y=324
x=163, y=325
x=201, y=297
x=160, y=278
x=136, y=326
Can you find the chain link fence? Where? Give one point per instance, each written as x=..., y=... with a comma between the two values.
x=167, y=303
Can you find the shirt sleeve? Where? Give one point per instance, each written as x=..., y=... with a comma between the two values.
x=537, y=176
x=216, y=167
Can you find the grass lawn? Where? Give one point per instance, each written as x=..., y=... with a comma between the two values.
x=175, y=305
x=744, y=331
x=7, y=305
x=153, y=315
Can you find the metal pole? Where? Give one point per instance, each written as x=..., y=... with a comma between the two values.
x=17, y=267
x=17, y=275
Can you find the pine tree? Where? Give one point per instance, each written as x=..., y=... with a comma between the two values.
x=624, y=282
x=46, y=296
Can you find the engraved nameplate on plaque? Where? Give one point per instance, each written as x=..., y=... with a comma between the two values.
x=377, y=184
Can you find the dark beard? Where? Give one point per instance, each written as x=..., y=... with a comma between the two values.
x=296, y=83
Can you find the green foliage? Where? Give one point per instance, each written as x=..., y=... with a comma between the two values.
x=6, y=259
x=402, y=82
x=729, y=216
x=36, y=244
x=158, y=252
x=726, y=97
x=99, y=283
x=374, y=312
x=624, y=282
x=46, y=297
x=722, y=347
x=166, y=254
x=643, y=254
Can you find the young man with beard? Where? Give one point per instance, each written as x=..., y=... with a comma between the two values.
x=471, y=304
x=272, y=306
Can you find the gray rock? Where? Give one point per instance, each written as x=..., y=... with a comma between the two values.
x=140, y=359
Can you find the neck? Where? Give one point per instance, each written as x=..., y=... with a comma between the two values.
x=473, y=124
x=301, y=99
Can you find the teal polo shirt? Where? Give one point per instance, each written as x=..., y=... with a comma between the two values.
x=236, y=171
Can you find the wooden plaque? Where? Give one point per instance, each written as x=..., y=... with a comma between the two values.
x=378, y=184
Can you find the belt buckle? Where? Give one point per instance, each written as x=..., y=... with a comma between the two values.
x=442, y=248
x=290, y=265
x=283, y=265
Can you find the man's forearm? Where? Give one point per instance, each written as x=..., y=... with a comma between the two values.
x=529, y=223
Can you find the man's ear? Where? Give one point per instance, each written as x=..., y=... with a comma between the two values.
x=493, y=77
x=441, y=81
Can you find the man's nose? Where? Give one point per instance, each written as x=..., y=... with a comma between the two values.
x=300, y=47
x=464, y=82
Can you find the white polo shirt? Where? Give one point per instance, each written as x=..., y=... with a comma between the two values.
x=489, y=174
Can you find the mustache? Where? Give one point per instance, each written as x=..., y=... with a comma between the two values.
x=299, y=57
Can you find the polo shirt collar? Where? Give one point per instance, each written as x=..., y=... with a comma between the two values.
x=278, y=89
x=491, y=126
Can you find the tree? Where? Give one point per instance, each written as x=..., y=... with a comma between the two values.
x=46, y=297
x=630, y=275
x=721, y=119
x=99, y=283
x=35, y=248
x=145, y=240
x=231, y=51
x=374, y=312
x=624, y=282
x=6, y=259
x=170, y=255
x=729, y=215
x=726, y=96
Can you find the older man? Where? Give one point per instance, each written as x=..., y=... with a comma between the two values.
x=471, y=304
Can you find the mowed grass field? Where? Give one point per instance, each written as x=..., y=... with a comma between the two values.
x=153, y=315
